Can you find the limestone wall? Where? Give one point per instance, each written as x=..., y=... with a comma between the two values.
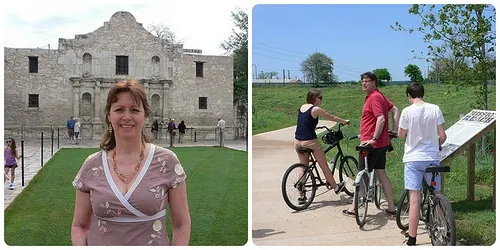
x=75, y=78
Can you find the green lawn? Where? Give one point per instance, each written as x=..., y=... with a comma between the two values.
x=217, y=185
x=276, y=107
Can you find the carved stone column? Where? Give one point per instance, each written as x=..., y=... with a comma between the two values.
x=76, y=99
x=97, y=101
x=97, y=123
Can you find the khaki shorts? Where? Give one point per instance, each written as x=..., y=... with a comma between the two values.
x=311, y=144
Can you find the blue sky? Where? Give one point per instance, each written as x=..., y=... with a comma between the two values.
x=357, y=37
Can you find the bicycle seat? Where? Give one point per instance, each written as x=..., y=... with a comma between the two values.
x=367, y=148
x=304, y=150
x=437, y=169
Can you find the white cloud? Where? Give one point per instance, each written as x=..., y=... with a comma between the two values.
x=199, y=24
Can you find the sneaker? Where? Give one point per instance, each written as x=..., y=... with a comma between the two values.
x=340, y=187
x=11, y=186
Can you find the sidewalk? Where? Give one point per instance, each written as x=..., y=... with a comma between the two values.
x=322, y=223
x=32, y=158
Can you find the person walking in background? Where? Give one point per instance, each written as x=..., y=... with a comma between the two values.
x=182, y=131
x=421, y=125
x=171, y=129
x=123, y=191
x=154, y=130
x=10, y=157
x=221, y=125
x=77, y=127
x=374, y=131
x=71, y=129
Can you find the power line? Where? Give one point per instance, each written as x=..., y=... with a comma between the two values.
x=276, y=58
x=276, y=52
x=336, y=62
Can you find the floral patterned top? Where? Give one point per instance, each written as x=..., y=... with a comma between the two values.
x=138, y=217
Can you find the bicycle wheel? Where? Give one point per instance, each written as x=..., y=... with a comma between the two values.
x=442, y=222
x=298, y=186
x=361, y=201
x=403, y=211
x=349, y=170
x=378, y=191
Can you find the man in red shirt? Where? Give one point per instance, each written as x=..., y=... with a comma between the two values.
x=374, y=131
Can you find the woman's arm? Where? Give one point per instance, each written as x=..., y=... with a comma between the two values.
x=181, y=220
x=81, y=219
x=317, y=111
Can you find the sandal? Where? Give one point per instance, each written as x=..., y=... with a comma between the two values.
x=393, y=213
x=348, y=212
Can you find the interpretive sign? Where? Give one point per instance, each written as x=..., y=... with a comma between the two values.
x=473, y=125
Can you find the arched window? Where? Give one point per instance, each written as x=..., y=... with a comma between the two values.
x=155, y=66
x=86, y=107
x=87, y=65
x=155, y=105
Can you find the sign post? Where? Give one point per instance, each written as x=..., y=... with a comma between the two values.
x=463, y=135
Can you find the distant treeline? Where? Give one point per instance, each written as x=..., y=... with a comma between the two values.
x=326, y=84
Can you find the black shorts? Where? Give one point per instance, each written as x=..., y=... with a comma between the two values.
x=11, y=166
x=376, y=159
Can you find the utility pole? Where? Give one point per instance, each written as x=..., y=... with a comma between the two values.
x=284, y=76
x=288, y=74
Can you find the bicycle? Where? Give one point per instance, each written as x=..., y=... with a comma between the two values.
x=300, y=182
x=368, y=187
x=435, y=210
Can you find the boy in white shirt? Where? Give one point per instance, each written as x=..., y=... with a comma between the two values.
x=422, y=124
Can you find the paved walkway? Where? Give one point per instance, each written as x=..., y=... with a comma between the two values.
x=32, y=159
x=274, y=223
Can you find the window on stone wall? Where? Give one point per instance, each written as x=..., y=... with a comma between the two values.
x=155, y=64
x=33, y=64
x=33, y=100
x=122, y=65
x=202, y=103
x=199, y=69
x=87, y=65
x=170, y=71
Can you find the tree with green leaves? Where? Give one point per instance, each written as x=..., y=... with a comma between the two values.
x=463, y=30
x=237, y=46
x=382, y=75
x=414, y=73
x=267, y=75
x=317, y=68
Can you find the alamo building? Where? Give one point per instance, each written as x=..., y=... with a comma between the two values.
x=44, y=87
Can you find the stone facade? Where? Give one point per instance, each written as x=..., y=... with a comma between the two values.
x=75, y=79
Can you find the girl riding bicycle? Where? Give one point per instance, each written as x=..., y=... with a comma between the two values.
x=305, y=135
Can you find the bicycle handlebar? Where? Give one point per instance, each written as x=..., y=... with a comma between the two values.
x=330, y=130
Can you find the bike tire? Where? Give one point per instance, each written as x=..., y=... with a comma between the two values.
x=361, y=201
x=403, y=211
x=291, y=187
x=378, y=191
x=441, y=216
x=347, y=173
